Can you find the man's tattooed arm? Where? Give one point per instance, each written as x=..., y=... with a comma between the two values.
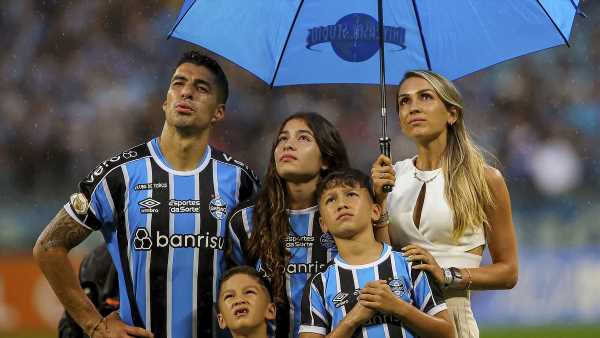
x=60, y=236
x=63, y=232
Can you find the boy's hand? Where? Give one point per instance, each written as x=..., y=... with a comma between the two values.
x=359, y=314
x=377, y=295
x=382, y=173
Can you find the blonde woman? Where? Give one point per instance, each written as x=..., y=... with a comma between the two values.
x=447, y=204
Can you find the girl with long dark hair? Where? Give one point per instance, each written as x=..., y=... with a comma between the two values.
x=278, y=231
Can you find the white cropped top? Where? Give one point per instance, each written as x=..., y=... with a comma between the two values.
x=435, y=230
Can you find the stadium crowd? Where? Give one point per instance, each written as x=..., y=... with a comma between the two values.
x=82, y=79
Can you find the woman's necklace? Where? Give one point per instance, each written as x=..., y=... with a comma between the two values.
x=425, y=180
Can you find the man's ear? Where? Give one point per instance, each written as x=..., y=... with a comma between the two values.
x=164, y=106
x=375, y=212
x=221, y=321
x=271, y=312
x=219, y=113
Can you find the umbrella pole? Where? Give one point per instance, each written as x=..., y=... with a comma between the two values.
x=384, y=140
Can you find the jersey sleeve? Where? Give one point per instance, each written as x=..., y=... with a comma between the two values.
x=239, y=229
x=314, y=316
x=427, y=293
x=92, y=205
x=249, y=184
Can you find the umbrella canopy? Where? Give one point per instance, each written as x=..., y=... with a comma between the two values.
x=289, y=42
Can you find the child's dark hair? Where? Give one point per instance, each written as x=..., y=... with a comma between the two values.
x=248, y=271
x=346, y=177
x=211, y=64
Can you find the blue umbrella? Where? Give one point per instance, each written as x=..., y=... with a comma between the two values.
x=289, y=42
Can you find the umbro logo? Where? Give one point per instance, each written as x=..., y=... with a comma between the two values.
x=148, y=206
x=340, y=299
x=345, y=298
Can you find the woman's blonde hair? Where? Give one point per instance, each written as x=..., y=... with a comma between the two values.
x=463, y=163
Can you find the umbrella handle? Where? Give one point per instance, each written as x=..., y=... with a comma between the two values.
x=385, y=147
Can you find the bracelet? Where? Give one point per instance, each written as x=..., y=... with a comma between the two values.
x=383, y=221
x=470, y=281
x=96, y=327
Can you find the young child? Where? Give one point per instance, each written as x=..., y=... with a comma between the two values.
x=245, y=304
x=368, y=290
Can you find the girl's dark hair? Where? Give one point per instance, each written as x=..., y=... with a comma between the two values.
x=270, y=216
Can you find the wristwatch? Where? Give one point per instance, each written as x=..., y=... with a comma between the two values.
x=447, y=277
x=452, y=277
x=456, y=276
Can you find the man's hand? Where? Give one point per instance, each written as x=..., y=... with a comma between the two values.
x=111, y=326
x=378, y=296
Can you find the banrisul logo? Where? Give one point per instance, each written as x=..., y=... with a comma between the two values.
x=355, y=37
x=145, y=241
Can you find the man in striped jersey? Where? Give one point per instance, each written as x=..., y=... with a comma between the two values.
x=161, y=207
x=368, y=290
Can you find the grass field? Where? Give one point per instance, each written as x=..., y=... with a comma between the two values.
x=577, y=331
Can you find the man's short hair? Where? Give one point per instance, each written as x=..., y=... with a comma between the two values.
x=248, y=271
x=211, y=64
x=346, y=177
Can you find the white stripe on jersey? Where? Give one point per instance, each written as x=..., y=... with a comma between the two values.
x=238, y=183
x=356, y=287
x=318, y=315
x=196, y=255
x=394, y=272
x=71, y=213
x=245, y=222
x=111, y=203
x=338, y=286
x=170, y=262
x=288, y=288
x=327, y=308
x=149, y=252
x=215, y=251
x=127, y=230
x=437, y=309
x=424, y=303
x=309, y=233
x=418, y=280
x=386, y=331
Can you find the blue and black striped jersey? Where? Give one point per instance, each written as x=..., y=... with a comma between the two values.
x=165, y=231
x=310, y=251
x=331, y=294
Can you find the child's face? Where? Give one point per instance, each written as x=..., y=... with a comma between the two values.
x=244, y=304
x=347, y=210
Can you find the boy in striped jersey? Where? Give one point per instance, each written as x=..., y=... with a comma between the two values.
x=368, y=290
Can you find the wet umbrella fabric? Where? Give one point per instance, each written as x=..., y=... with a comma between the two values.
x=289, y=42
